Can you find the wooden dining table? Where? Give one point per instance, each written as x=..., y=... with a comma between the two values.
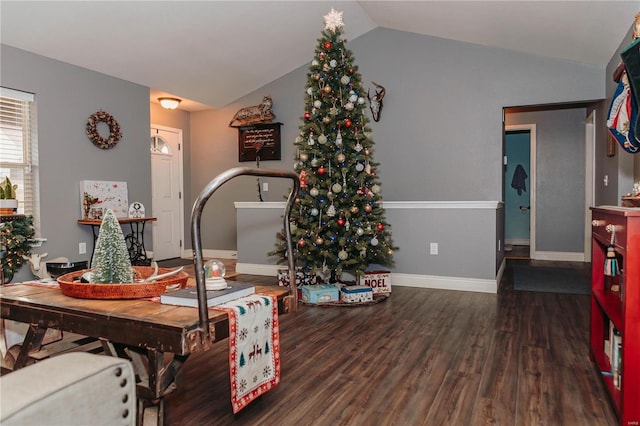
x=156, y=337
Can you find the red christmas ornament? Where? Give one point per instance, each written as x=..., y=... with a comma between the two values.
x=321, y=170
x=341, y=222
x=351, y=70
x=348, y=123
x=307, y=115
x=300, y=243
x=380, y=227
x=327, y=45
x=360, y=191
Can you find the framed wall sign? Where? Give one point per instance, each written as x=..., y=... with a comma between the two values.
x=259, y=139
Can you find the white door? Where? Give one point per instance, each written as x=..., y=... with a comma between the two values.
x=166, y=186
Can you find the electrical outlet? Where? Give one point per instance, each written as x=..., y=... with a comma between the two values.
x=82, y=248
x=265, y=186
x=433, y=248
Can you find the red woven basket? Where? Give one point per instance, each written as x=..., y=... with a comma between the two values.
x=71, y=286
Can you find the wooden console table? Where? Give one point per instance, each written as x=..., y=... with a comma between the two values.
x=134, y=240
x=141, y=330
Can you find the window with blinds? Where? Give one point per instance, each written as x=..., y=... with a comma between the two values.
x=19, y=149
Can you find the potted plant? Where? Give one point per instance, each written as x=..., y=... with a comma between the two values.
x=8, y=201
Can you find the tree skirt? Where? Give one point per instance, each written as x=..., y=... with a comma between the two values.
x=254, y=347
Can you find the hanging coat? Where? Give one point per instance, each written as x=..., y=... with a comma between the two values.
x=518, y=181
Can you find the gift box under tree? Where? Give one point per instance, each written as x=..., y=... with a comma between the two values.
x=379, y=281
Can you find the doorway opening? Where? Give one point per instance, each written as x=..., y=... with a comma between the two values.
x=561, y=183
x=519, y=190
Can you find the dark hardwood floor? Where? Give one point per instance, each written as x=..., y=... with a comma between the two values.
x=422, y=357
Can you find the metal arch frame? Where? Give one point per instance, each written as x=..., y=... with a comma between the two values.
x=196, y=216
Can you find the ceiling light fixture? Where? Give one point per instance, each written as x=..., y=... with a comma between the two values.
x=169, y=103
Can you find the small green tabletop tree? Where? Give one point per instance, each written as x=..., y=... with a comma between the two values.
x=111, y=263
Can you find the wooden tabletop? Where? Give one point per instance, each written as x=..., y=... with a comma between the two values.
x=139, y=322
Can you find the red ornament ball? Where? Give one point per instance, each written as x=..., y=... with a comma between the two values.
x=360, y=191
x=307, y=115
x=341, y=222
x=300, y=243
x=352, y=70
x=327, y=45
x=348, y=123
x=380, y=227
x=321, y=170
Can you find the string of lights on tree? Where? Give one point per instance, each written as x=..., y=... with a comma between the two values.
x=338, y=222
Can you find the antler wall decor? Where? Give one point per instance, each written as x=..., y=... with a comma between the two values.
x=375, y=103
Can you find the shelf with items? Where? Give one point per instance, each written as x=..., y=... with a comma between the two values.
x=615, y=306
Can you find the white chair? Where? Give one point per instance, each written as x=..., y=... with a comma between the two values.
x=76, y=388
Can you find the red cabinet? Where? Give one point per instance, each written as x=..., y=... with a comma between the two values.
x=617, y=309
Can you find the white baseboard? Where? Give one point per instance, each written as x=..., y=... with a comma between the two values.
x=562, y=256
x=444, y=283
x=212, y=254
x=400, y=280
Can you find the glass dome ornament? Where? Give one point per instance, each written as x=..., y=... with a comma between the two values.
x=214, y=272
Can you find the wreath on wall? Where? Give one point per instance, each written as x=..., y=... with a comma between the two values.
x=94, y=135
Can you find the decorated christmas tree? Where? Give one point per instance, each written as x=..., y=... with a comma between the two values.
x=338, y=222
x=111, y=263
x=15, y=239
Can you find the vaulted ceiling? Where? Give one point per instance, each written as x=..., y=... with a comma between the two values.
x=210, y=53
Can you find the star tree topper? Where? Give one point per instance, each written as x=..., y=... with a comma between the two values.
x=333, y=20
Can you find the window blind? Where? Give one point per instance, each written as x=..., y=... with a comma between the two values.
x=18, y=149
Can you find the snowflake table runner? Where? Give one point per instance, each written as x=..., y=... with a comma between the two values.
x=254, y=347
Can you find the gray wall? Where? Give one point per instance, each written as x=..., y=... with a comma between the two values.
x=440, y=135
x=65, y=97
x=465, y=234
x=560, y=168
